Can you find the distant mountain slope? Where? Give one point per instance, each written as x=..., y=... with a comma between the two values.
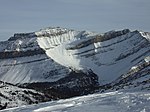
x=47, y=55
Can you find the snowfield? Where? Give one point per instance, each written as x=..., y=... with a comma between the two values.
x=117, y=101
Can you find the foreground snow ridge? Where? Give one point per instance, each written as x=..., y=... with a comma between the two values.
x=107, y=102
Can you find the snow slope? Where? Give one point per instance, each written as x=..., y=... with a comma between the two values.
x=120, y=101
x=37, y=68
x=56, y=43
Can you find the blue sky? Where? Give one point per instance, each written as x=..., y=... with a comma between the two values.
x=94, y=15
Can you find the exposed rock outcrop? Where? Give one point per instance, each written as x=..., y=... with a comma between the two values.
x=76, y=83
x=17, y=54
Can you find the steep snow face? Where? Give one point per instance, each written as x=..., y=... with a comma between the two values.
x=55, y=42
x=109, y=55
x=106, y=102
x=55, y=47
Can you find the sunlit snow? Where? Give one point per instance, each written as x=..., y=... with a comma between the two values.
x=101, y=102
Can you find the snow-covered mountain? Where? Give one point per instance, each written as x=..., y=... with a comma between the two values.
x=57, y=60
x=47, y=55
